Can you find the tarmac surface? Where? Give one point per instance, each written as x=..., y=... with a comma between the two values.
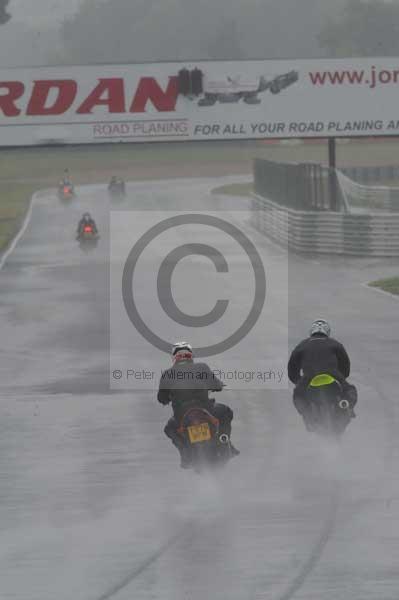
x=93, y=504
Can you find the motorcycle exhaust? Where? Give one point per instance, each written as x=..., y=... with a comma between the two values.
x=224, y=438
x=344, y=404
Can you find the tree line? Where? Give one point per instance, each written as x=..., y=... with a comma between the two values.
x=143, y=30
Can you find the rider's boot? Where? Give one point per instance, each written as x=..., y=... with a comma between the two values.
x=228, y=445
x=225, y=429
x=185, y=454
x=351, y=412
x=308, y=421
x=234, y=451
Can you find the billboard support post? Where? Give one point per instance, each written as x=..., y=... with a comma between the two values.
x=332, y=163
x=332, y=177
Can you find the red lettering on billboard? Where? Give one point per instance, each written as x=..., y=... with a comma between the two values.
x=57, y=97
x=66, y=90
x=150, y=90
x=109, y=92
x=15, y=90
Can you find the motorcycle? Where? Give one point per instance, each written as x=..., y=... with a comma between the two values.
x=88, y=237
x=208, y=445
x=117, y=189
x=329, y=413
x=66, y=191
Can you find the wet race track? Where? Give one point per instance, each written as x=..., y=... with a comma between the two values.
x=93, y=504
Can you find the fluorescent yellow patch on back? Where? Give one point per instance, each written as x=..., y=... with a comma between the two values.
x=322, y=379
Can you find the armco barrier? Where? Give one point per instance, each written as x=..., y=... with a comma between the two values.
x=372, y=175
x=368, y=197
x=327, y=232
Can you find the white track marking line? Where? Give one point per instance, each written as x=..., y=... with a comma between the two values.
x=380, y=291
x=20, y=233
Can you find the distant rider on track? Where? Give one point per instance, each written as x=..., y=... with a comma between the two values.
x=86, y=221
x=317, y=354
x=66, y=180
x=117, y=185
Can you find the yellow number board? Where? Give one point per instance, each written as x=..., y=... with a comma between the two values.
x=199, y=433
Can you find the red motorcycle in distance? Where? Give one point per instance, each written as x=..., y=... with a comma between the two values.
x=88, y=236
x=66, y=191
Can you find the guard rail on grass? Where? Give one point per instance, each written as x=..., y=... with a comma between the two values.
x=372, y=175
x=368, y=197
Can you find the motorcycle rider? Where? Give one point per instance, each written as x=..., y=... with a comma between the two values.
x=86, y=221
x=187, y=381
x=116, y=184
x=315, y=355
x=66, y=180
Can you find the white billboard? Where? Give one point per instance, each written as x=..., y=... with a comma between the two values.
x=239, y=100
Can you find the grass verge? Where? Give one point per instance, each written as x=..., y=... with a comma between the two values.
x=14, y=202
x=235, y=189
x=390, y=284
x=103, y=159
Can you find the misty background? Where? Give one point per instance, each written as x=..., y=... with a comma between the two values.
x=50, y=32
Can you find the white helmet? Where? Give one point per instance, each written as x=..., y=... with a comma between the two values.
x=320, y=326
x=182, y=351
